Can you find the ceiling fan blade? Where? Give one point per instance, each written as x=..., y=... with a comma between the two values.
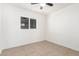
x=49, y=4
x=34, y=3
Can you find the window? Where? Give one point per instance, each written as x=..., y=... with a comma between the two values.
x=24, y=23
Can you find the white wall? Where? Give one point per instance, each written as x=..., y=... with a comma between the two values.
x=0, y=27
x=16, y=36
x=3, y=42
x=63, y=27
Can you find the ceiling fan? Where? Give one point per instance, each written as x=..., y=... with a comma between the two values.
x=43, y=4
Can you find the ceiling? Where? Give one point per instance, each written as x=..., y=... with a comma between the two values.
x=46, y=10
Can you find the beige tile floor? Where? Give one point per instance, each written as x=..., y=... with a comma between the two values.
x=43, y=48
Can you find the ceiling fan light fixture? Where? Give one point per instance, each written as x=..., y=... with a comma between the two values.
x=42, y=5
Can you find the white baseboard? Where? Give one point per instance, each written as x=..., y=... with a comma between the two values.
x=24, y=43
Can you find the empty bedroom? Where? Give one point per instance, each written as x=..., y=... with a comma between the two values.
x=39, y=29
